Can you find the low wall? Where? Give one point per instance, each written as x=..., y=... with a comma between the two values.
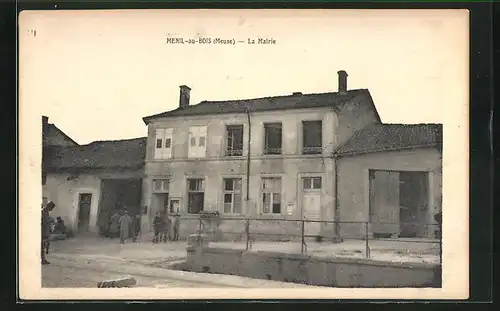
x=311, y=270
x=260, y=230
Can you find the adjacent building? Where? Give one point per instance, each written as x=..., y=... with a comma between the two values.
x=390, y=181
x=88, y=183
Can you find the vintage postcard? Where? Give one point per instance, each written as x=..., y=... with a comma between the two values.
x=253, y=154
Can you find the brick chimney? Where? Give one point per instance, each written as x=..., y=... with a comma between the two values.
x=342, y=82
x=184, y=96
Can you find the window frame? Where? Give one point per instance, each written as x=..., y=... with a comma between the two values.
x=162, y=189
x=231, y=152
x=267, y=126
x=189, y=192
x=272, y=193
x=310, y=150
x=233, y=193
x=311, y=183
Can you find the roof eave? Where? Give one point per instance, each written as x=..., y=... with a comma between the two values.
x=358, y=153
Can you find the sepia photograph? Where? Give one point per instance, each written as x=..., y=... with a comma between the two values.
x=226, y=154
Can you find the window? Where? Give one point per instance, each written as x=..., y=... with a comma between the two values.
x=232, y=195
x=196, y=195
x=161, y=185
x=197, y=141
x=174, y=206
x=312, y=138
x=163, y=150
x=311, y=183
x=234, y=140
x=271, y=195
x=272, y=138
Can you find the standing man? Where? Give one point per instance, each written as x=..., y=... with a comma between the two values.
x=175, y=227
x=46, y=229
x=158, y=227
x=125, y=224
x=137, y=226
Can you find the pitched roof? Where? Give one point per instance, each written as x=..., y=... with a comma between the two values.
x=387, y=137
x=129, y=153
x=53, y=127
x=297, y=101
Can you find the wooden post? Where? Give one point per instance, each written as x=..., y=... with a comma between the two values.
x=303, y=241
x=247, y=233
x=367, y=247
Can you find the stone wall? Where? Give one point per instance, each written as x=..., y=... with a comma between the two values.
x=311, y=270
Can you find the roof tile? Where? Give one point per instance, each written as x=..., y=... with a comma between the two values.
x=262, y=104
x=384, y=137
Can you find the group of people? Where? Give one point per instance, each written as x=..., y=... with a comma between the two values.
x=124, y=225
x=166, y=228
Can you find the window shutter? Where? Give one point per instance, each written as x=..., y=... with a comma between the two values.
x=192, y=147
x=202, y=135
x=167, y=152
x=159, y=136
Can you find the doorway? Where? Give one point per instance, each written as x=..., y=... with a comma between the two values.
x=413, y=202
x=398, y=204
x=311, y=205
x=84, y=204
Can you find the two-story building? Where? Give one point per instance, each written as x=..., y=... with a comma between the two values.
x=267, y=158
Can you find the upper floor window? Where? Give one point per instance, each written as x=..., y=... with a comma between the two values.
x=312, y=137
x=271, y=195
x=196, y=195
x=197, y=142
x=232, y=195
x=163, y=143
x=272, y=138
x=161, y=185
x=234, y=143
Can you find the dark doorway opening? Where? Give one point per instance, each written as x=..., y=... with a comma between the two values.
x=84, y=203
x=118, y=195
x=414, y=204
x=399, y=203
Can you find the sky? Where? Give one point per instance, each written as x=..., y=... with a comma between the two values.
x=96, y=74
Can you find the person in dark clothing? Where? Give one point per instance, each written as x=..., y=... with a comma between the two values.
x=157, y=226
x=175, y=227
x=59, y=227
x=136, y=226
x=46, y=230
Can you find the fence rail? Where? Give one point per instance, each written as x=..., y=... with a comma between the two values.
x=331, y=230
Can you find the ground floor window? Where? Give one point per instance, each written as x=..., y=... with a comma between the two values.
x=196, y=195
x=232, y=195
x=271, y=195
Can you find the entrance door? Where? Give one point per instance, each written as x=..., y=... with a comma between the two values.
x=311, y=205
x=414, y=204
x=384, y=203
x=84, y=202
